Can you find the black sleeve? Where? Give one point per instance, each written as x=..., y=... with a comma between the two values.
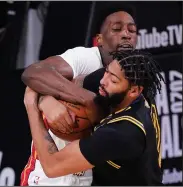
x=122, y=140
x=92, y=81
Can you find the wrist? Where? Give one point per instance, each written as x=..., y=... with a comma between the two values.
x=32, y=106
x=44, y=101
x=41, y=101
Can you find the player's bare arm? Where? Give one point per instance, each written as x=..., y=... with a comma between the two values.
x=55, y=111
x=51, y=77
x=53, y=162
x=59, y=163
x=55, y=68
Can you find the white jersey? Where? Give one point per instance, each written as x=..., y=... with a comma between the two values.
x=83, y=61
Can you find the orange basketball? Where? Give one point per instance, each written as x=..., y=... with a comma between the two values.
x=81, y=128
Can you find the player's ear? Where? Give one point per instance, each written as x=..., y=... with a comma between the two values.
x=135, y=91
x=99, y=39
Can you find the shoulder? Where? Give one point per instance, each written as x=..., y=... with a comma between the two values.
x=83, y=52
x=128, y=124
x=86, y=49
x=83, y=60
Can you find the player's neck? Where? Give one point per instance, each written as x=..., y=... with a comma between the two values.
x=106, y=58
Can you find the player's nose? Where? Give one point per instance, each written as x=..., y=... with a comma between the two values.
x=102, y=82
x=125, y=33
x=104, y=78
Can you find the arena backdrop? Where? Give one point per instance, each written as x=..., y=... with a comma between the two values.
x=159, y=32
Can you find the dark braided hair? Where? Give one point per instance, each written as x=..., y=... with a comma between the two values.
x=141, y=69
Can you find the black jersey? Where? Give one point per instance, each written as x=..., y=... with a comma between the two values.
x=125, y=147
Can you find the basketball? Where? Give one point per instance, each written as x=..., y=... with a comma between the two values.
x=81, y=128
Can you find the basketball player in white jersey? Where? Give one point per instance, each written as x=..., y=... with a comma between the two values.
x=118, y=31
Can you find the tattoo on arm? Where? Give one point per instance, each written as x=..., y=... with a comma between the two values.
x=51, y=144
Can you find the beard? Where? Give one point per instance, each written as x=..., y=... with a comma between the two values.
x=109, y=101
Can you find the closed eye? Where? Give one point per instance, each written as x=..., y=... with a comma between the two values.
x=117, y=30
x=113, y=81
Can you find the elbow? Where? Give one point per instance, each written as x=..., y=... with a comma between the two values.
x=25, y=77
x=50, y=172
x=28, y=74
x=50, y=167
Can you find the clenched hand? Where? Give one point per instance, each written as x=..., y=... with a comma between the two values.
x=56, y=113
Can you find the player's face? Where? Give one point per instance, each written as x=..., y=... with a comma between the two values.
x=115, y=88
x=113, y=81
x=119, y=33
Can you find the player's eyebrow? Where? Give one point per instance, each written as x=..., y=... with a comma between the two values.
x=112, y=73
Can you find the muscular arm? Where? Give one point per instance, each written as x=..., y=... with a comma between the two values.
x=68, y=160
x=41, y=76
x=51, y=77
x=105, y=144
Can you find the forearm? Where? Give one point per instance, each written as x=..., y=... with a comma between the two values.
x=43, y=142
x=54, y=163
x=47, y=80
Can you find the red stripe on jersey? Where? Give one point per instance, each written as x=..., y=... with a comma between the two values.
x=31, y=162
x=27, y=170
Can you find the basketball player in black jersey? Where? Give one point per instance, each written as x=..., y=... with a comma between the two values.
x=124, y=148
